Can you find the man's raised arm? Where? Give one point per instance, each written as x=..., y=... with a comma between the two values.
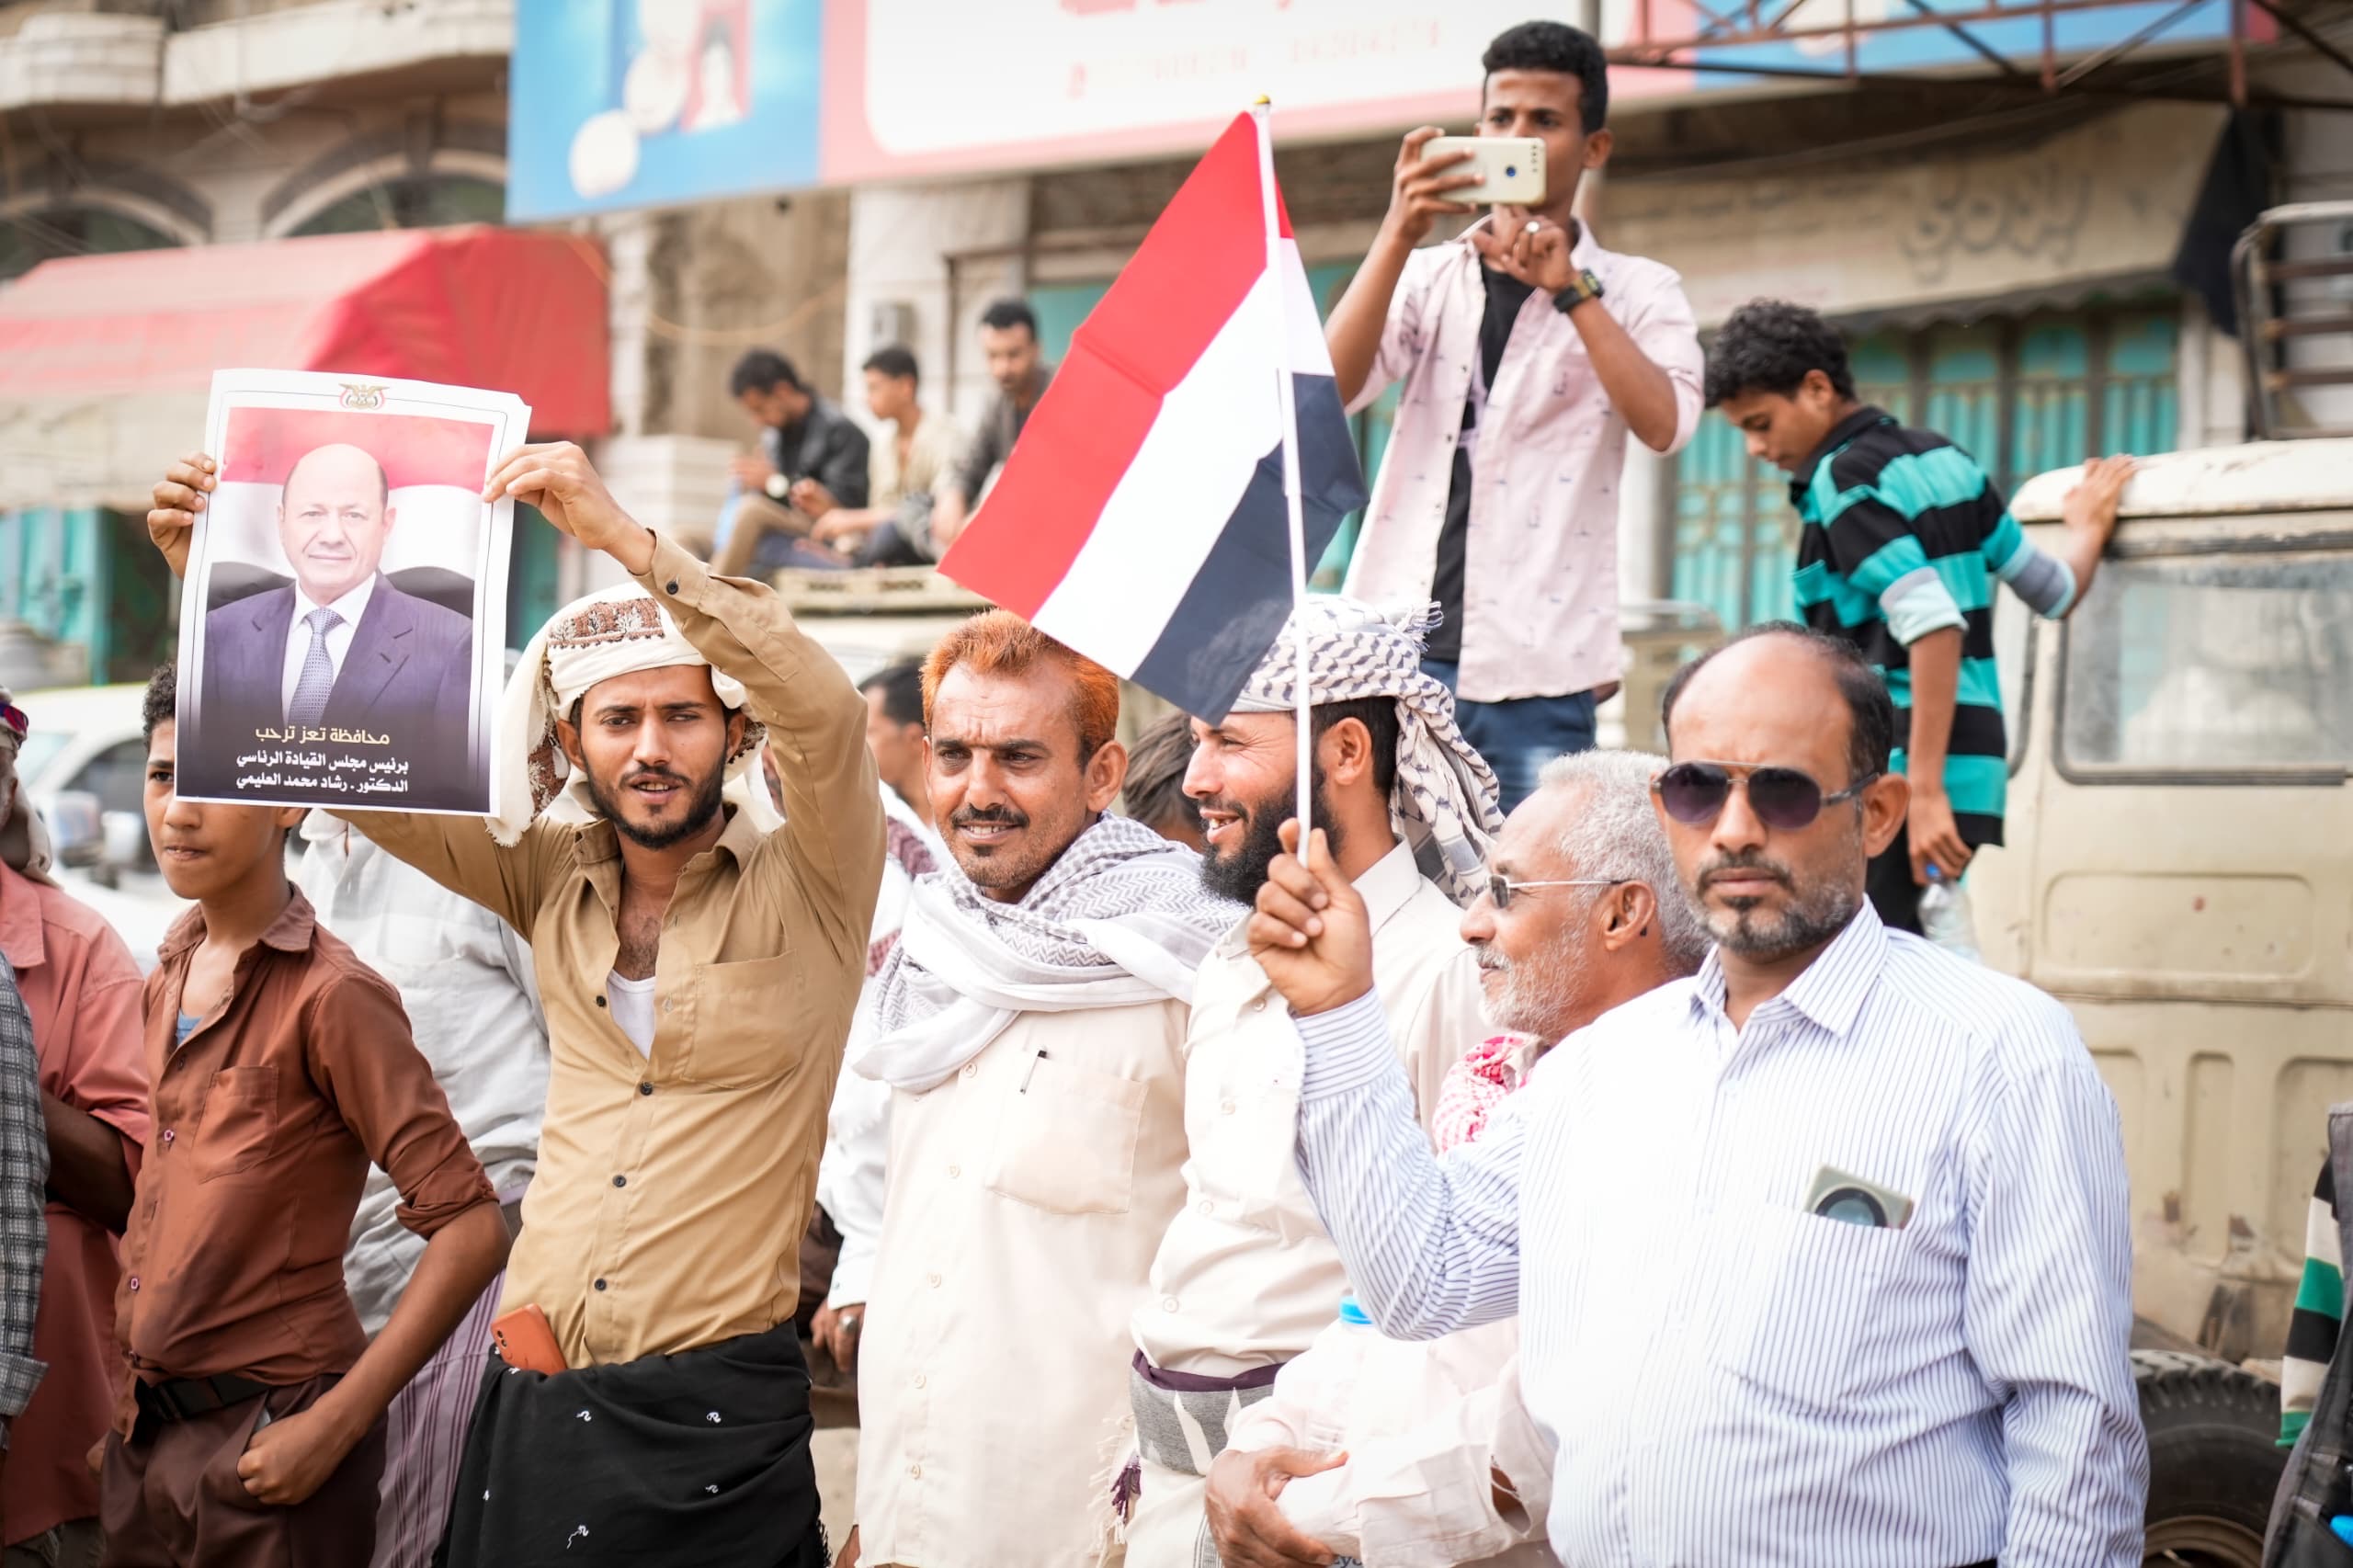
x=1431, y=1245
x=816, y=720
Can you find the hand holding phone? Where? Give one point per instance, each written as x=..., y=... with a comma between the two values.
x=1425, y=189
x=1510, y=169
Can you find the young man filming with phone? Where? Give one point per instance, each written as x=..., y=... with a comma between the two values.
x=1525, y=341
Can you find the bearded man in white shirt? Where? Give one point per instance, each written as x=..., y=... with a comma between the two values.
x=1031, y=1025
x=1582, y=912
x=1245, y=1279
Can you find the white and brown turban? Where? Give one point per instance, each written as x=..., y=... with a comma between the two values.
x=618, y=632
x=1444, y=801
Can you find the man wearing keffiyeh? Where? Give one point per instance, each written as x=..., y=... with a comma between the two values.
x=1030, y=1022
x=699, y=961
x=1244, y=1278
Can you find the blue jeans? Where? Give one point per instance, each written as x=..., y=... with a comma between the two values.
x=1521, y=734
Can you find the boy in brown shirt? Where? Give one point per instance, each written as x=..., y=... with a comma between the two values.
x=282, y=1066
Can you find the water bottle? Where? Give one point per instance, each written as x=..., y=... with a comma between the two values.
x=1312, y=1502
x=1945, y=918
x=1326, y=1428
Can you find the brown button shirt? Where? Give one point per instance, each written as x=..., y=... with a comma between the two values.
x=672, y=1190
x=264, y=1123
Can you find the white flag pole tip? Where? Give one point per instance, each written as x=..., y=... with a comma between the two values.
x=1304, y=711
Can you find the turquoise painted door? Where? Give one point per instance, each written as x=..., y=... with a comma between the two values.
x=2020, y=395
x=90, y=579
x=531, y=576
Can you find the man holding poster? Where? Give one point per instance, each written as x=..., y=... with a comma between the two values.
x=699, y=959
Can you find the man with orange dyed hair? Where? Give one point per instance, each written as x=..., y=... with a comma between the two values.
x=1031, y=1026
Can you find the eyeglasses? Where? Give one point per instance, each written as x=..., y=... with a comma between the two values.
x=1502, y=888
x=1784, y=798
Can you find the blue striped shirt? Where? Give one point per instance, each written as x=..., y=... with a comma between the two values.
x=1727, y=1378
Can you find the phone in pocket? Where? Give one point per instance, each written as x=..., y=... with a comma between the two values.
x=523, y=1340
x=1510, y=169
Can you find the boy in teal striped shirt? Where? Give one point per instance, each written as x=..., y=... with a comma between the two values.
x=1904, y=536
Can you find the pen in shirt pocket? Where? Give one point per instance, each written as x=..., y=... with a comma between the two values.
x=1030, y=1071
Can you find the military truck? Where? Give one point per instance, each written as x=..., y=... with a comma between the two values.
x=2180, y=872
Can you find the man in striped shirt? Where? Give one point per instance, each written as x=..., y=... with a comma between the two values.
x=1822, y=1257
x=1902, y=537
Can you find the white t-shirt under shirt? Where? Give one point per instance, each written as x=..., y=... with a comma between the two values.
x=633, y=1010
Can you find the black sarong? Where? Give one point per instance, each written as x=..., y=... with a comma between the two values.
x=700, y=1457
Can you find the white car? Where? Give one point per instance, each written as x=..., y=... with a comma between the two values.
x=84, y=769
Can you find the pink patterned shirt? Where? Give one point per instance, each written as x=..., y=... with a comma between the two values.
x=1540, y=602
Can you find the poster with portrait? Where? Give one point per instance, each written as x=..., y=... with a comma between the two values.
x=342, y=621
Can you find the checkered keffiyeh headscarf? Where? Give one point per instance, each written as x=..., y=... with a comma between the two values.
x=1445, y=795
x=618, y=632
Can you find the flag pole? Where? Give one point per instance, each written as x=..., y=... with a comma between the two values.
x=1278, y=275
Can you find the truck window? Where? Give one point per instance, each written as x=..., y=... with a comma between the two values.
x=2208, y=665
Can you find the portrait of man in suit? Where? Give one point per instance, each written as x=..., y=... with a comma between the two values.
x=340, y=646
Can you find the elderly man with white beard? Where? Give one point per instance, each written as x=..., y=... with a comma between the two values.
x=1442, y=1465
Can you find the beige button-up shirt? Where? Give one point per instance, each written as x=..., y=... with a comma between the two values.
x=1027, y=1194
x=1246, y=1276
x=673, y=1189
x=1539, y=591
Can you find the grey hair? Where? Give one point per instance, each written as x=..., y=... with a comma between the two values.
x=1616, y=834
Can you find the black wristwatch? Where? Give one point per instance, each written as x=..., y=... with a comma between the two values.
x=1582, y=286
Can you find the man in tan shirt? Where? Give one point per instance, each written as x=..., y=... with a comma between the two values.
x=1031, y=1025
x=1244, y=1278
x=699, y=963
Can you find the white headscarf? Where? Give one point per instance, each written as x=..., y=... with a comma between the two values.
x=24, y=838
x=1444, y=800
x=619, y=631
x=1119, y=919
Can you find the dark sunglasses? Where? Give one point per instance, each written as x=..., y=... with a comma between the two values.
x=1784, y=798
x=1502, y=888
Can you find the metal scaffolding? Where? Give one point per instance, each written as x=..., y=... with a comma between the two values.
x=1714, y=27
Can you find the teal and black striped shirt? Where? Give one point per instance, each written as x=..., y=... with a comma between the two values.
x=1904, y=534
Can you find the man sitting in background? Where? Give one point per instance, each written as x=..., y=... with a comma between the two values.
x=1010, y=339
x=1581, y=913
x=902, y=471
x=803, y=436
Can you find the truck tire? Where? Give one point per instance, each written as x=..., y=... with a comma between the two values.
x=2214, y=1461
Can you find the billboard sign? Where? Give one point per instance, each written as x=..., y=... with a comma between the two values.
x=640, y=103
x=654, y=103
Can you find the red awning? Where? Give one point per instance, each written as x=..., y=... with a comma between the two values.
x=481, y=307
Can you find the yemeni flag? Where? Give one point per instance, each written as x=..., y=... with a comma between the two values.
x=1141, y=518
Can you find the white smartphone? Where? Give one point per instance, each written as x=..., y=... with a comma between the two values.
x=1510, y=168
